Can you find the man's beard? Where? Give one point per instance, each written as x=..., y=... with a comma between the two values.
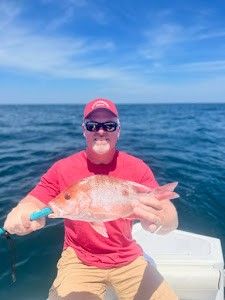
x=101, y=146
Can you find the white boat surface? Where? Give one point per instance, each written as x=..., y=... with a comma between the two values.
x=192, y=263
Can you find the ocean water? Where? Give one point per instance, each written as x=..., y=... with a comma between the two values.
x=180, y=142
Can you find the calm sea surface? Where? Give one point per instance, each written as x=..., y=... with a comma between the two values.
x=184, y=143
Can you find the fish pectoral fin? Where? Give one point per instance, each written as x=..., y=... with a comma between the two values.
x=100, y=228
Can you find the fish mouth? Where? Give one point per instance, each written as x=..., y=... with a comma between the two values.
x=57, y=211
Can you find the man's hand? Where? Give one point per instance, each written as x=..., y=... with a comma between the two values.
x=155, y=211
x=18, y=220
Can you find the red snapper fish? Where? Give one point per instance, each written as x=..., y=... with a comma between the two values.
x=101, y=198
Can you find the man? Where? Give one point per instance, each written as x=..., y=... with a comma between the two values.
x=89, y=261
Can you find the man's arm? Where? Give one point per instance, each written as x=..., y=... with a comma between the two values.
x=18, y=220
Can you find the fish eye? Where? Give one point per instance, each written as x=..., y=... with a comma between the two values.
x=67, y=196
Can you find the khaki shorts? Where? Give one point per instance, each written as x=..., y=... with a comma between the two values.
x=138, y=280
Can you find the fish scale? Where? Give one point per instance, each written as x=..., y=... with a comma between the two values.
x=106, y=195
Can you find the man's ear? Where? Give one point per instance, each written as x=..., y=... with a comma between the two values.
x=83, y=130
x=118, y=134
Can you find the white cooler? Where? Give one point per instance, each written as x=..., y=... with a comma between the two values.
x=191, y=263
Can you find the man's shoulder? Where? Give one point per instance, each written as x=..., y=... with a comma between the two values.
x=136, y=169
x=70, y=159
x=130, y=158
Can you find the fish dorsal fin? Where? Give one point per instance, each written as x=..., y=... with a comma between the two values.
x=100, y=228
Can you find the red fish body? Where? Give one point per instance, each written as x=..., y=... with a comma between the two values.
x=101, y=198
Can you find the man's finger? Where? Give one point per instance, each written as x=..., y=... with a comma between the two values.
x=25, y=221
x=141, y=213
x=151, y=201
x=37, y=224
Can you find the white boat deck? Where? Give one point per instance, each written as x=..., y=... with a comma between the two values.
x=191, y=263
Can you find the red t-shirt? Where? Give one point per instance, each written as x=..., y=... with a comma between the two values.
x=92, y=248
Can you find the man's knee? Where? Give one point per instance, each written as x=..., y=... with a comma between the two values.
x=154, y=287
x=164, y=292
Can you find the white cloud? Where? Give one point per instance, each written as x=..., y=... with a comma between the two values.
x=64, y=18
x=199, y=67
x=8, y=12
x=68, y=11
x=160, y=40
x=58, y=57
x=209, y=34
x=211, y=90
x=21, y=49
x=71, y=10
x=78, y=3
x=207, y=68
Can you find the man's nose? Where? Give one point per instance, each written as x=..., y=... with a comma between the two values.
x=101, y=131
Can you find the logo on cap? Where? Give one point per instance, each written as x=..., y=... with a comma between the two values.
x=100, y=103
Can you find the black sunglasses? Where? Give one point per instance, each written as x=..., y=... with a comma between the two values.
x=93, y=126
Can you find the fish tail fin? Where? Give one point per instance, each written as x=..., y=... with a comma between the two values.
x=166, y=191
x=168, y=187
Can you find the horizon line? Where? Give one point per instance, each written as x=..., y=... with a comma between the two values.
x=117, y=103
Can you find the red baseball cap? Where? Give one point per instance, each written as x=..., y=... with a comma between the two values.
x=100, y=103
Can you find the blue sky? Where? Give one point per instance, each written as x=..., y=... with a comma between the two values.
x=70, y=51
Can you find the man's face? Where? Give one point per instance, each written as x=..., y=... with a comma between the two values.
x=101, y=141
